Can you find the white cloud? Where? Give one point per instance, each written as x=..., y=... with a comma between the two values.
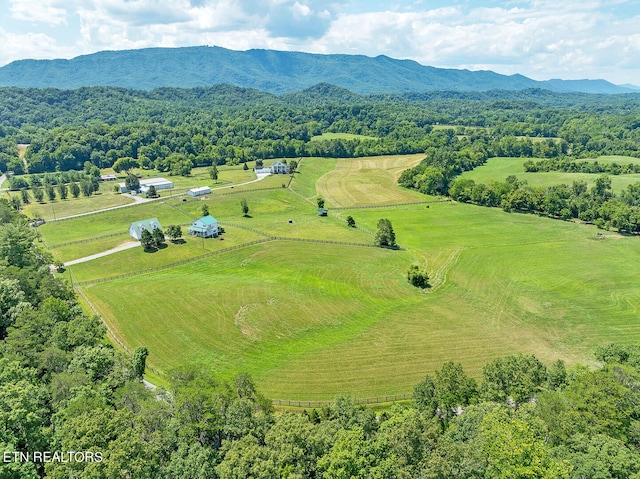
x=51, y=12
x=538, y=38
x=29, y=46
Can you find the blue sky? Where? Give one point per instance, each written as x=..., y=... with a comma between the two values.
x=542, y=39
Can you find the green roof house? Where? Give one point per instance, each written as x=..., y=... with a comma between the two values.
x=205, y=227
x=137, y=227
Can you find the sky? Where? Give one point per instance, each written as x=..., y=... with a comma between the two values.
x=541, y=39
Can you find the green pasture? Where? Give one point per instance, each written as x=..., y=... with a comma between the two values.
x=137, y=259
x=62, y=208
x=270, y=212
x=499, y=168
x=308, y=173
x=310, y=321
x=341, y=136
x=87, y=248
x=109, y=222
x=368, y=181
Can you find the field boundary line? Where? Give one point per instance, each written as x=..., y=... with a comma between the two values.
x=172, y=265
x=362, y=207
x=226, y=250
x=108, y=328
x=373, y=400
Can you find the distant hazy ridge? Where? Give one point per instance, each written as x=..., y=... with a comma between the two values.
x=267, y=70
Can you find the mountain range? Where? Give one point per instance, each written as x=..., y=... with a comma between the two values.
x=271, y=71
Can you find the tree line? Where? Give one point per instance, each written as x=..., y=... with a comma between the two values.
x=171, y=129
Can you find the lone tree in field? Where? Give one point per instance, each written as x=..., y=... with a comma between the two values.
x=174, y=232
x=418, y=277
x=351, y=222
x=245, y=167
x=385, y=235
x=151, y=192
x=25, y=196
x=320, y=202
x=213, y=173
x=205, y=210
x=245, y=207
x=293, y=164
x=132, y=182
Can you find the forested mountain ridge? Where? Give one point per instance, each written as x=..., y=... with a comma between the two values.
x=268, y=70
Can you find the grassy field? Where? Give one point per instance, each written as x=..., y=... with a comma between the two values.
x=499, y=168
x=341, y=136
x=367, y=181
x=313, y=320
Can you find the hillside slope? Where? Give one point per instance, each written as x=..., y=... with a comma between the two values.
x=266, y=70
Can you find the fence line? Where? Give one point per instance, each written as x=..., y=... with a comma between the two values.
x=235, y=192
x=96, y=212
x=374, y=400
x=172, y=265
x=109, y=330
x=362, y=207
x=236, y=225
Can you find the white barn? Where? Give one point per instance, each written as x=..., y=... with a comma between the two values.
x=158, y=183
x=201, y=190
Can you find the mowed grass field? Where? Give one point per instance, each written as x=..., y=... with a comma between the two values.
x=499, y=168
x=367, y=181
x=313, y=320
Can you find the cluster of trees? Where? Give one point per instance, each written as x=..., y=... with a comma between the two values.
x=570, y=165
x=152, y=240
x=62, y=388
x=596, y=205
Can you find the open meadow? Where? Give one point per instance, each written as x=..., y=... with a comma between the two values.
x=499, y=168
x=309, y=320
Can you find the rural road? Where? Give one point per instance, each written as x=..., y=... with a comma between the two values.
x=122, y=247
x=138, y=199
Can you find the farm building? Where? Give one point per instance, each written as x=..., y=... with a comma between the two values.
x=279, y=168
x=265, y=170
x=137, y=227
x=205, y=227
x=108, y=178
x=159, y=183
x=202, y=190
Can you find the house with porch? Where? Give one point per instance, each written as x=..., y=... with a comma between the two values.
x=205, y=227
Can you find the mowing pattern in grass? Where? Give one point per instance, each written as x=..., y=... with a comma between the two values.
x=368, y=181
x=499, y=168
x=313, y=321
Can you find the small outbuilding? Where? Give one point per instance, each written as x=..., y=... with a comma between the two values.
x=201, y=190
x=265, y=170
x=137, y=227
x=322, y=212
x=108, y=178
x=205, y=227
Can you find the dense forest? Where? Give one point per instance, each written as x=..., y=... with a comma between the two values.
x=224, y=124
x=73, y=406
